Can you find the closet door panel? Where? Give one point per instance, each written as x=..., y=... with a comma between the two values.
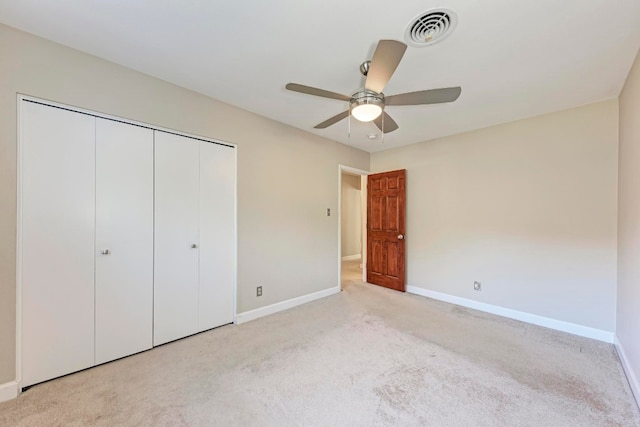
x=57, y=241
x=176, y=231
x=217, y=229
x=124, y=239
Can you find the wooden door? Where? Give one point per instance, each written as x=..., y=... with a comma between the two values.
x=217, y=230
x=57, y=241
x=124, y=239
x=386, y=229
x=175, y=297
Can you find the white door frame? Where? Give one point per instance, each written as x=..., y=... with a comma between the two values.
x=363, y=212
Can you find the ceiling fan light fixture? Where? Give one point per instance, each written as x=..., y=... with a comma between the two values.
x=366, y=112
x=366, y=106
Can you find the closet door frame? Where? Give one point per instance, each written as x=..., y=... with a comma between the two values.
x=21, y=98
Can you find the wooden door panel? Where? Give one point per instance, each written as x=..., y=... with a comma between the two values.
x=386, y=229
x=376, y=184
x=377, y=215
x=392, y=214
x=392, y=259
x=376, y=258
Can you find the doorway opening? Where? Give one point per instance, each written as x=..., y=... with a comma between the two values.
x=352, y=225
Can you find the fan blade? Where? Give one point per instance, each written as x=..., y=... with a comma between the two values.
x=433, y=96
x=317, y=92
x=333, y=120
x=384, y=62
x=389, y=124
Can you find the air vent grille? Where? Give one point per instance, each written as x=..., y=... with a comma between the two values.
x=430, y=27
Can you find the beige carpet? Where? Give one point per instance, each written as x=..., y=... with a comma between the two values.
x=365, y=357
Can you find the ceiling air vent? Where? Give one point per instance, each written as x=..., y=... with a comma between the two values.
x=430, y=27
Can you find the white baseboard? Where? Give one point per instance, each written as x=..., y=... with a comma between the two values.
x=351, y=257
x=8, y=391
x=284, y=305
x=631, y=376
x=560, y=325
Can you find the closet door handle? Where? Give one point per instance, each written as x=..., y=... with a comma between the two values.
x=194, y=246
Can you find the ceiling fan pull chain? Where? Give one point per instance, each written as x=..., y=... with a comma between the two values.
x=349, y=130
x=382, y=139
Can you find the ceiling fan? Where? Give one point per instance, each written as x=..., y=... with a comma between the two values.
x=368, y=103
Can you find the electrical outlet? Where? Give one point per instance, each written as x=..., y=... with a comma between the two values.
x=477, y=286
x=259, y=291
x=328, y=212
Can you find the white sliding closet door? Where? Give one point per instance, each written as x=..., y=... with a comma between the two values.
x=176, y=237
x=217, y=225
x=57, y=241
x=124, y=240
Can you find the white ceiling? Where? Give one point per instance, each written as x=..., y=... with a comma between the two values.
x=513, y=59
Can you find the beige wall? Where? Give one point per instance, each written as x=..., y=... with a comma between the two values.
x=628, y=318
x=351, y=217
x=281, y=221
x=527, y=208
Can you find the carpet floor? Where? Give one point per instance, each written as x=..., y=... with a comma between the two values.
x=365, y=357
